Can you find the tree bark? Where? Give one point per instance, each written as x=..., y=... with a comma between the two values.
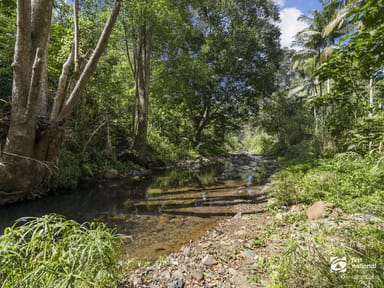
x=142, y=54
x=200, y=125
x=132, y=66
x=371, y=94
x=31, y=151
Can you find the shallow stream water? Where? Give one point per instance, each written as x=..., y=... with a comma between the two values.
x=157, y=215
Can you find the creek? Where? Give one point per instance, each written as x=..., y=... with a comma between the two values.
x=159, y=214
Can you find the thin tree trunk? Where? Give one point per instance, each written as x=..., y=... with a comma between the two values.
x=132, y=65
x=371, y=94
x=76, y=32
x=90, y=67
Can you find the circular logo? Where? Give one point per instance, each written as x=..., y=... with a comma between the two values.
x=338, y=264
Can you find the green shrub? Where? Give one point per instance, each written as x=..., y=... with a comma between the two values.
x=160, y=146
x=261, y=143
x=368, y=135
x=69, y=172
x=252, y=139
x=53, y=252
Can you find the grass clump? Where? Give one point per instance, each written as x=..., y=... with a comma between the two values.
x=51, y=251
x=310, y=261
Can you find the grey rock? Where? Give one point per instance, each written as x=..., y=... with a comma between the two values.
x=179, y=283
x=198, y=275
x=272, y=201
x=111, y=174
x=135, y=281
x=237, y=216
x=362, y=217
x=317, y=211
x=241, y=233
x=295, y=209
x=248, y=253
x=208, y=260
x=165, y=276
x=186, y=251
x=177, y=275
x=173, y=262
x=279, y=216
x=232, y=271
x=240, y=281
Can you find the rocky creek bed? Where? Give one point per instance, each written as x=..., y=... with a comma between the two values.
x=238, y=252
x=184, y=207
x=224, y=255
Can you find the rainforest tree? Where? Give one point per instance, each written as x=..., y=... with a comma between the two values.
x=36, y=131
x=217, y=75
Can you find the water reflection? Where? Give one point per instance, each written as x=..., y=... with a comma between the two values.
x=158, y=214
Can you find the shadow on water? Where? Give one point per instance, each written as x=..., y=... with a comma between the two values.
x=159, y=214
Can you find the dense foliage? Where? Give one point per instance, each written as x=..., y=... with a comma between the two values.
x=198, y=91
x=327, y=122
x=332, y=91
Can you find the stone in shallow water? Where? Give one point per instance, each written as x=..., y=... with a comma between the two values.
x=111, y=174
x=237, y=216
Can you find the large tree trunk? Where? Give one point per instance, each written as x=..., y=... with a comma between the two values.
x=142, y=54
x=201, y=123
x=34, y=138
x=20, y=169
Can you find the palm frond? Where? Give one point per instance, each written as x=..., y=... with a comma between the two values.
x=307, y=33
x=337, y=22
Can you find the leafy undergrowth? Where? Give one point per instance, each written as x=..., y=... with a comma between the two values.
x=347, y=181
x=51, y=251
x=346, y=248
